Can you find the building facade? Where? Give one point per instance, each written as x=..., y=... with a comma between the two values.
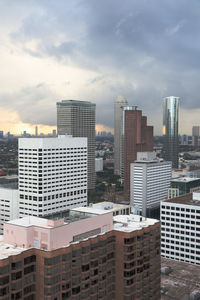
x=171, y=129
x=196, y=136
x=183, y=185
x=118, y=147
x=52, y=174
x=122, y=262
x=150, y=180
x=137, y=137
x=9, y=205
x=180, y=228
x=77, y=118
x=99, y=164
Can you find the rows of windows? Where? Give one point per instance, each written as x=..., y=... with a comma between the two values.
x=55, y=196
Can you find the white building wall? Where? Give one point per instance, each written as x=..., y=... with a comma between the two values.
x=180, y=232
x=98, y=164
x=9, y=206
x=149, y=184
x=52, y=174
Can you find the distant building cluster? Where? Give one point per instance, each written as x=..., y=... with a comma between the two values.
x=54, y=244
x=104, y=134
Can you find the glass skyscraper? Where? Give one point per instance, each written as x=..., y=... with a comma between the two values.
x=170, y=129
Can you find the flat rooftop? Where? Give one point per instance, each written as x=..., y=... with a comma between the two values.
x=30, y=221
x=187, y=199
x=182, y=281
x=89, y=210
x=100, y=208
x=9, y=182
x=8, y=250
x=47, y=223
x=129, y=223
x=9, y=185
x=185, y=179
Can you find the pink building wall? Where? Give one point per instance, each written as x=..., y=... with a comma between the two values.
x=59, y=235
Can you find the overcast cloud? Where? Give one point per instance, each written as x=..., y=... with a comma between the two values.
x=96, y=50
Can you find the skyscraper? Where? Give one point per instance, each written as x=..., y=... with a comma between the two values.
x=170, y=129
x=196, y=136
x=52, y=175
x=150, y=180
x=118, y=161
x=36, y=131
x=78, y=119
x=136, y=137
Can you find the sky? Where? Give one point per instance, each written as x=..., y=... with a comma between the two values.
x=96, y=50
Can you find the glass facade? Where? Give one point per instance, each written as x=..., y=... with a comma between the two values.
x=170, y=129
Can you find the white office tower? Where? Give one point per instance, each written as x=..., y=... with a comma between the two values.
x=52, y=174
x=9, y=204
x=118, y=161
x=150, y=180
x=180, y=228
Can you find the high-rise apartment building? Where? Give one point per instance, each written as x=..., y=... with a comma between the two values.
x=180, y=229
x=136, y=137
x=196, y=136
x=150, y=180
x=118, y=145
x=171, y=129
x=52, y=174
x=85, y=257
x=77, y=118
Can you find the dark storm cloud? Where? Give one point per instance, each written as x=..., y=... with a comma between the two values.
x=33, y=104
x=143, y=49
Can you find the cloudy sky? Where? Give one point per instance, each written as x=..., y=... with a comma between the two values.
x=96, y=50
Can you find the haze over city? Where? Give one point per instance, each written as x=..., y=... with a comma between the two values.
x=96, y=50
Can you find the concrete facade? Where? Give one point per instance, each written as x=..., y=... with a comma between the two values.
x=180, y=228
x=78, y=119
x=118, y=146
x=150, y=180
x=52, y=174
x=99, y=164
x=9, y=205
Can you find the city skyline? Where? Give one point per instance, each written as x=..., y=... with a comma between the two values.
x=44, y=58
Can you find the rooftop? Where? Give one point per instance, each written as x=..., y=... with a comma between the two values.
x=7, y=250
x=75, y=102
x=10, y=186
x=129, y=223
x=185, y=179
x=100, y=208
x=88, y=210
x=36, y=221
x=47, y=223
x=187, y=199
x=9, y=182
x=182, y=280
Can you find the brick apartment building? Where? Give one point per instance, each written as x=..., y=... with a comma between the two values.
x=84, y=257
